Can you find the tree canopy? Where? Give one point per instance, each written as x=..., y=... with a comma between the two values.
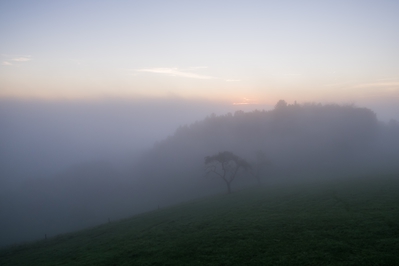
x=226, y=165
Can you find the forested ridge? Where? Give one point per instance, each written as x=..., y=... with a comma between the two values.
x=295, y=138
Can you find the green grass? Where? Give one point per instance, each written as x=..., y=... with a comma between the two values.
x=353, y=222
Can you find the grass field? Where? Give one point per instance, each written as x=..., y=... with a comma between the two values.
x=350, y=222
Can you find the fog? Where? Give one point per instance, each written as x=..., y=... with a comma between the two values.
x=52, y=150
x=42, y=137
x=68, y=165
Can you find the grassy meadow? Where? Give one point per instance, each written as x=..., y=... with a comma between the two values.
x=336, y=222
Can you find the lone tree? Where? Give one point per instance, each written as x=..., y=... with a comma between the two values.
x=226, y=165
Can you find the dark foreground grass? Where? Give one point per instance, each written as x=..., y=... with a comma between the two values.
x=352, y=222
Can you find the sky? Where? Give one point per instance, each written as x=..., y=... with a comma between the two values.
x=237, y=52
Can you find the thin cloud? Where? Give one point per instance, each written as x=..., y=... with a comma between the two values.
x=174, y=72
x=16, y=58
x=233, y=80
x=245, y=101
x=6, y=63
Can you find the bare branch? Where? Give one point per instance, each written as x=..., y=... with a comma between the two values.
x=229, y=164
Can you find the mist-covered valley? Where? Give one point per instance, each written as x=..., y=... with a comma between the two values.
x=69, y=165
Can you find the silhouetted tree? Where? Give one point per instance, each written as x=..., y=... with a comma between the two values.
x=226, y=165
x=280, y=105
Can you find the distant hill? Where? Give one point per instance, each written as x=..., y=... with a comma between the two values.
x=340, y=222
x=300, y=142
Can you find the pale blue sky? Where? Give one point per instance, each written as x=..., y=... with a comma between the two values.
x=235, y=51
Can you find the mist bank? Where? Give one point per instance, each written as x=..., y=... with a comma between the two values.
x=73, y=164
x=42, y=137
x=309, y=141
x=69, y=164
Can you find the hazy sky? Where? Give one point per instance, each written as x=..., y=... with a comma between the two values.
x=234, y=51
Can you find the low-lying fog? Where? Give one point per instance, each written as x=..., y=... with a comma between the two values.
x=50, y=147
x=40, y=138
x=67, y=165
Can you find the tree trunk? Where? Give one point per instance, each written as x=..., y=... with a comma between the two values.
x=228, y=188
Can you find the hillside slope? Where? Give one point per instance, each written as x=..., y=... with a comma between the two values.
x=346, y=222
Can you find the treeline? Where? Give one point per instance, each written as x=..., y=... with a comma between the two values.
x=300, y=141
